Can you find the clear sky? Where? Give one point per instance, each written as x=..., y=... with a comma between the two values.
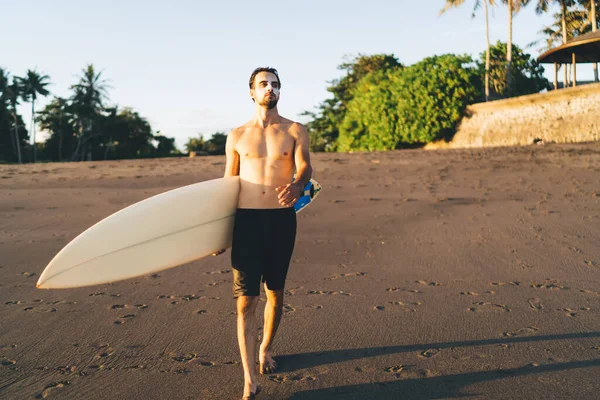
x=184, y=64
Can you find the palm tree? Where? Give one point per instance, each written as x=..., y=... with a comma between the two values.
x=87, y=102
x=34, y=84
x=577, y=24
x=514, y=6
x=457, y=3
x=14, y=93
x=542, y=7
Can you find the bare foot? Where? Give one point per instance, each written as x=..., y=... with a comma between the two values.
x=266, y=363
x=250, y=391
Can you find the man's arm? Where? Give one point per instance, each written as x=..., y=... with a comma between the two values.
x=302, y=157
x=290, y=193
x=232, y=166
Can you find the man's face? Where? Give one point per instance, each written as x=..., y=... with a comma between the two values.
x=266, y=90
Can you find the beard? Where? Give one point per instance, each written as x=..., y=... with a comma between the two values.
x=269, y=102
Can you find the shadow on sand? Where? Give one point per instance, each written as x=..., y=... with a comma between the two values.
x=423, y=388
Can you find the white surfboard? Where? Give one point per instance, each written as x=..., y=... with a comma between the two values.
x=163, y=231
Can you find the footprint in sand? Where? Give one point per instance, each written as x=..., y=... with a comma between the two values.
x=185, y=358
x=428, y=283
x=7, y=362
x=394, y=369
x=346, y=275
x=123, y=319
x=40, y=309
x=105, y=294
x=314, y=307
x=66, y=369
x=574, y=313
x=590, y=263
x=222, y=271
x=396, y=289
x=548, y=284
x=511, y=283
x=288, y=309
x=339, y=292
x=428, y=353
x=191, y=297
x=535, y=303
x=54, y=385
x=291, y=378
x=406, y=304
x=215, y=283
x=522, y=332
x=485, y=306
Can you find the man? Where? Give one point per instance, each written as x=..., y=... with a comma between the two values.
x=264, y=152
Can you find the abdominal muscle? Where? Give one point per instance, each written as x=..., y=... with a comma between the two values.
x=259, y=177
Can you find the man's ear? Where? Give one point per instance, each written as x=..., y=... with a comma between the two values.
x=252, y=94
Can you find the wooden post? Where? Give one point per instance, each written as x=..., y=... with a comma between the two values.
x=574, y=70
x=555, y=75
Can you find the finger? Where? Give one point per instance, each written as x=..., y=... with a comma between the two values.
x=283, y=193
x=280, y=188
x=288, y=201
x=288, y=197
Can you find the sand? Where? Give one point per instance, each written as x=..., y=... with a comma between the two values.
x=416, y=275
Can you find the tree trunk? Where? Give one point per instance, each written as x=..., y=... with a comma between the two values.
x=12, y=142
x=509, y=50
x=487, y=52
x=17, y=137
x=594, y=27
x=60, y=138
x=33, y=129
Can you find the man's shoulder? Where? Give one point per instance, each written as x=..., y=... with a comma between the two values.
x=237, y=132
x=293, y=127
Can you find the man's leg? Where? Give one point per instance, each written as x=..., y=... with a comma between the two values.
x=273, y=312
x=247, y=329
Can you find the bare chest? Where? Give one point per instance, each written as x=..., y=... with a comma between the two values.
x=273, y=144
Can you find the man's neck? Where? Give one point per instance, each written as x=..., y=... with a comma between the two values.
x=265, y=117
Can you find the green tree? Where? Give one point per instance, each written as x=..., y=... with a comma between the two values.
x=196, y=144
x=216, y=144
x=324, y=126
x=528, y=74
x=57, y=119
x=165, y=146
x=514, y=6
x=410, y=106
x=591, y=6
x=486, y=3
x=14, y=94
x=542, y=7
x=87, y=103
x=34, y=84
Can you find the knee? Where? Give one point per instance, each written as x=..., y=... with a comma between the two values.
x=246, y=305
x=275, y=299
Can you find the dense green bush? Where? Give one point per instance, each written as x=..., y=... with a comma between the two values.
x=409, y=106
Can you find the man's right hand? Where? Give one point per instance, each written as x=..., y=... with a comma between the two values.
x=216, y=253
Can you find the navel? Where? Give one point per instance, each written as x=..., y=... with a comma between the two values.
x=285, y=153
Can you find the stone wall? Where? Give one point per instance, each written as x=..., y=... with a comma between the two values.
x=561, y=116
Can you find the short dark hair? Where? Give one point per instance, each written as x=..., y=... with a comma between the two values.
x=263, y=69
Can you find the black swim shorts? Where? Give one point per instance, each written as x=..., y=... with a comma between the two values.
x=263, y=241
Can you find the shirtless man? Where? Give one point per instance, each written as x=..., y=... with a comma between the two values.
x=264, y=152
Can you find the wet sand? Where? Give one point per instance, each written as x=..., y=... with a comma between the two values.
x=416, y=274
